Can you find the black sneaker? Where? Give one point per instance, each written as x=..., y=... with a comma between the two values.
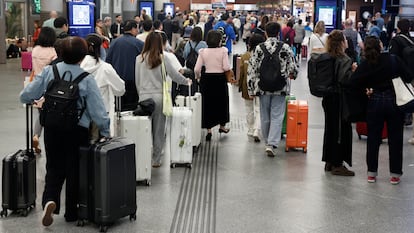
x=342, y=171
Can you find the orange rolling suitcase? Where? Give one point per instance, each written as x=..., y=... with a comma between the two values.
x=297, y=125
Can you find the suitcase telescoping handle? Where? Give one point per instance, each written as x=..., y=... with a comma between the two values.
x=29, y=128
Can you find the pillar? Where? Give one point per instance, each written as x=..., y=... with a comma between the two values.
x=129, y=9
x=2, y=34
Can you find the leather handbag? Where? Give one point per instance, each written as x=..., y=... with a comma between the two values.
x=230, y=76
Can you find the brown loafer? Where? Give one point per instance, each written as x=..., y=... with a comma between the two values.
x=342, y=171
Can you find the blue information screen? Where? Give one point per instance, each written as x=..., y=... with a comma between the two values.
x=81, y=17
x=326, y=10
x=148, y=6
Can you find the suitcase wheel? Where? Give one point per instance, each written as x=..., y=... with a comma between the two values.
x=24, y=213
x=359, y=136
x=172, y=165
x=80, y=223
x=103, y=228
x=287, y=149
x=133, y=217
x=190, y=165
x=3, y=213
x=305, y=150
x=148, y=182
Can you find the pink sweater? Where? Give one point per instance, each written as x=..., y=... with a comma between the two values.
x=41, y=57
x=216, y=60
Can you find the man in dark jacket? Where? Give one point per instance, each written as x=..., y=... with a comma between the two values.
x=397, y=45
x=121, y=56
x=117, y=28
x=167, y=27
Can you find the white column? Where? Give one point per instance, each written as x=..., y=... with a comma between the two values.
x=52, y=5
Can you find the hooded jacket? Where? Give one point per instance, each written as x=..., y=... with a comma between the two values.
x=109, y=83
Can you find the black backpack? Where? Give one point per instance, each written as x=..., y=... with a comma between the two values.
x=270, y=77
x=286, y=38
x=408, y=55
x=60, y=109
x=321, y=74
x=175, y=26
x=192, y=57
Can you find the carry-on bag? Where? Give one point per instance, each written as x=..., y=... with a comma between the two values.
x=194, y=103
x=19, y=175
x=362, y=130
x=179, y=137
x=297, y=125
x=107, y=189
x=139, y=130
x=26, y=61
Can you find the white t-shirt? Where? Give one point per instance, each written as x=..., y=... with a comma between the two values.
x=316, y=42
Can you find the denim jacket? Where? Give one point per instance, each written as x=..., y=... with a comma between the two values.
x=88, y=90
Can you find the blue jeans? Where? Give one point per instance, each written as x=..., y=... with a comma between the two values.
x=382, y=107
x=272, y=111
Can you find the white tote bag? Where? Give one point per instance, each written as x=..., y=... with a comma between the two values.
x=404, y=95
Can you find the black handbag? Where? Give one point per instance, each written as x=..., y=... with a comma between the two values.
x=354, y=103
x=145, y=108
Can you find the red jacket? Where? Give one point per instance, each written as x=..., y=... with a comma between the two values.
x=288, y=31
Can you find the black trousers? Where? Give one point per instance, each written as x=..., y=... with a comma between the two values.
x=62, y=164
x=382, y=107
x=337, y=138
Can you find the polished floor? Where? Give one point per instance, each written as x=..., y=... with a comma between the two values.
x=234, y=187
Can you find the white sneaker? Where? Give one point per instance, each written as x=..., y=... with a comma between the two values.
x=270, y=151
x=411, y=140
x=47, y=218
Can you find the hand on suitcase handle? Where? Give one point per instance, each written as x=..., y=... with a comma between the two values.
x=189, y=82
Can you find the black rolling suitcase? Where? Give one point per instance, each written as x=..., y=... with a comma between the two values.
x=107, y=182
x=19, y=176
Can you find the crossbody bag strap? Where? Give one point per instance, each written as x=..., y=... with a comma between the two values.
x=408, y=39
x=55, y=72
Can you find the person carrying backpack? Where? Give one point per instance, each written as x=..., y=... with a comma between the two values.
x=72, y=102
x=270, y=65
x=401, y=45
x=288, y=34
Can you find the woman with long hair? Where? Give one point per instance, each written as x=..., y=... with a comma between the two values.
x=375, y=73
x=213, y=84
x=317, y=40
x=149, y=81
x=337, y=139
x=42, y=54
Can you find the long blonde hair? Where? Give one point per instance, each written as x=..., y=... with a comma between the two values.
x=320, y=28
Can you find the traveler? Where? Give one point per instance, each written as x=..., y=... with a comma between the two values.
x=375, y=73
x=337, y=138
x=147, y=26
x=229, y=34
x=42, y=54
x=61, y=27
x=261, y=28
x=318, y=38
x=196, y=42
x=117, y=28
x=397, y=45
x=109, y=82
x=50, y=22
x=272, y=103
x=351, y=33
x=252, y=104
x=62, y=146
x=121, y=56
x=299, y=36
x=288, y=34
x=213, y=84
x=149, y=84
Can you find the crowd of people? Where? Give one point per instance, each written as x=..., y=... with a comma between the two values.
x=129, y=59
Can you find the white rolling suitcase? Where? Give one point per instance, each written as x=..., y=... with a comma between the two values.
x=179, y=136
x=138, y=129
x=194, y=103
